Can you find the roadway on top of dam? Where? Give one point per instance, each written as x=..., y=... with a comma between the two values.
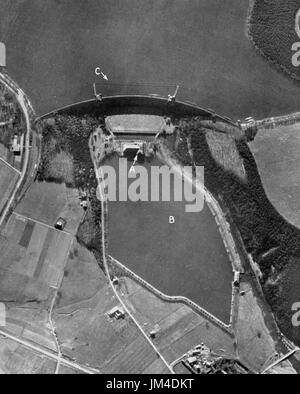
x=137, y=104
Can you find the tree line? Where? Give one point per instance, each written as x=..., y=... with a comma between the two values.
x=273, y=243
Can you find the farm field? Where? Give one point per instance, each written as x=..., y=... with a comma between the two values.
x=84, y=330
x=276, y=152
x=3, y=152
x=187, y=258
x=256, y=345
x=17, y=359
x=83, y=278
x=33, y=253
x=158, y=43
x=8, y=157
x=30, y=323
x=89, y=336
x=46, y=202
x=289, y=293
x=64, y=370
x=180, y=328
x=8, y=180
x=225, y=153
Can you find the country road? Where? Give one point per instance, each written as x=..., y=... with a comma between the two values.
x=281, y=359
x=20, y=96
x=103, y=221
x=57, y=357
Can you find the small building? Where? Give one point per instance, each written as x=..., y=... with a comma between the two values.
x=2, y=55
x=196, y=352
x=116, y=312
x=60, y=224
x=83, y=204
x=154, y=332
x=192, y=360
x=130, y=150
x=236, y=280
x=16, y=146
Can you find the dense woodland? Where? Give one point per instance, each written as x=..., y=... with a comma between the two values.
x=272, y=30
x=273, y=243
x=69, y=135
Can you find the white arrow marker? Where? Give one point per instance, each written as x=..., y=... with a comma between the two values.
x=104, y=76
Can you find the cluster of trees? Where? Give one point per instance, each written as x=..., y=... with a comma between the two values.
x=10, y=112
x=273, y=123
x=272, y=30
x=70, y=135
x=261, y=227
x=230, y=367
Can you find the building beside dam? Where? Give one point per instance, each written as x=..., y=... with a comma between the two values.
x=2, y=55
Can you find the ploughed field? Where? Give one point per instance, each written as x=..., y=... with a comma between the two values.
x=199, y=44
x=8, y=180
x=186, y=258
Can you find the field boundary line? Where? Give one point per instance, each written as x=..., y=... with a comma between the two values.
x=103, y=239
x=175, y=299
x=17, y=214
x=281, y=359
x=50, y=314
x=10, y=166
x=47, y=353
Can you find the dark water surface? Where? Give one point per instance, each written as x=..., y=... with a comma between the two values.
x=53, y=47
x=187, y=258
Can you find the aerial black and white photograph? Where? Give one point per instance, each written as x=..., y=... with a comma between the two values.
x=149, y=190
